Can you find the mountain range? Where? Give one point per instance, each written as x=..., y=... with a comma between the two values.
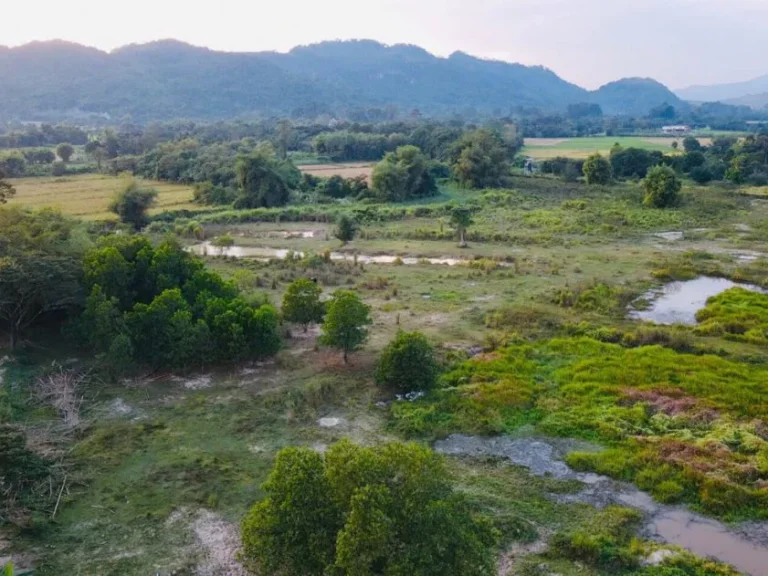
x=169, y=80
x=752, y=93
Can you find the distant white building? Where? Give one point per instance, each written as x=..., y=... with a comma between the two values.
x=676, y=130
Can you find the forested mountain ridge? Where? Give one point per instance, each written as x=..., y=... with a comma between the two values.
x=169, y=79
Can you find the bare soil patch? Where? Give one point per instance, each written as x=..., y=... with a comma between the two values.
x=351, y=170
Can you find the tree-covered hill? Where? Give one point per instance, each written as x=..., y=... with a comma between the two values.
x=169, y=79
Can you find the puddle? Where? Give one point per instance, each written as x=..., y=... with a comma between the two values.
x=746, y=550
x=678, y=302
x=199, y=383
x=260, y=252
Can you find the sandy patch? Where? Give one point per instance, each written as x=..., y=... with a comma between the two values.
x=199, y=383
x=330, y=422
x=119, y=408
x=217, y=541
x=220, y=541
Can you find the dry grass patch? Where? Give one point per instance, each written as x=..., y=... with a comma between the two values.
x=88, y=196
x=349, y=170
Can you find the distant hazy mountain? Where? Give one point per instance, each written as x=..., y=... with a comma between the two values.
x=756, y=101
x=723, y=92
x=634, y=95
x=170, y=79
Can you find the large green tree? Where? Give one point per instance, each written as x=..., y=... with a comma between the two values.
x=65, y=151
x=264, y=181
x=388, y=510
x=598, y=170
x=692, y=144
x=346, y=229
x=402, y=175
x=301, y=303
x=479, y=160
x=346, y=322
x=662, y=187
x=408, y=364
x=132, y=201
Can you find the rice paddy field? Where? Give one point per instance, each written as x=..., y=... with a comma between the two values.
x=88, y=196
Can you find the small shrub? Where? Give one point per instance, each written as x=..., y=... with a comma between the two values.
x=408, y=364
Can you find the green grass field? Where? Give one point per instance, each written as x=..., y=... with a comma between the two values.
x=88, y=196
x=543, y=148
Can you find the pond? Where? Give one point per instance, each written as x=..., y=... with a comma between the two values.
x=678, y=302
x=265, y=253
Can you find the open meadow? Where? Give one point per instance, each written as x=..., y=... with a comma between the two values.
x=88, y=195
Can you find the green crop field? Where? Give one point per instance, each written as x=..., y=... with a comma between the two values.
x=88, y=196
x=543, y=148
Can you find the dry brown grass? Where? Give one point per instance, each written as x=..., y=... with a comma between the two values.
x=349, y=170
x=88, y=195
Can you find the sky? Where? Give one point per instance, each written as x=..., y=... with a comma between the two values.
x=588, y=42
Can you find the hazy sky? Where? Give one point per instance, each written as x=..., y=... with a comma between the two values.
x=590, y=42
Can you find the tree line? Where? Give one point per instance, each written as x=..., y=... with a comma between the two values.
x=726, y=159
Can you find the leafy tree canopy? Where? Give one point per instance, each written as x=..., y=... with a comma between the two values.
x=132, y=201
x=402, y=175
x=662, y=187
x=387, y=510
x=480, y=160
x=65, y=150
x=408, y=364
x=598, y=170
x=264, y=180
x=346, y=322
x=301, y=303
x=346, y=229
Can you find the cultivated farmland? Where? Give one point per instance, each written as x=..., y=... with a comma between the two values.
x=543, y=148
x=88, y=196
x=347, y=170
